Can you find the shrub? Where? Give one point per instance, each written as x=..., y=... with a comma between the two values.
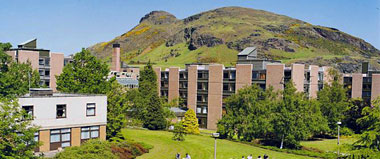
x=179, y=132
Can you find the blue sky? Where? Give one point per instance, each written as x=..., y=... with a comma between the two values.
x=68, y=25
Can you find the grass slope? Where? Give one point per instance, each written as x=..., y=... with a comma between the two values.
x=329, y=145
x=198, y=146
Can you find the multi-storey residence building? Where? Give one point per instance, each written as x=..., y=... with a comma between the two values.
x=47, y=63
x=203, y=87
x=65, y=119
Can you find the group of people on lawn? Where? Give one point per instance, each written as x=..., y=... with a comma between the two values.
x=178, y=156
x=259, y=157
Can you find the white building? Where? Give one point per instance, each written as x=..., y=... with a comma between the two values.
x=65, y=119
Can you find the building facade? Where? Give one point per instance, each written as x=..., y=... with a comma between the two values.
x=65, y=119
x=47, y=63
x=203, y=87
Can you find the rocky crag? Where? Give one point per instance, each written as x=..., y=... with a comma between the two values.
x=216, y=36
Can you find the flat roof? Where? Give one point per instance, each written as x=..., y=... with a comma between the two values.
x=61, y=95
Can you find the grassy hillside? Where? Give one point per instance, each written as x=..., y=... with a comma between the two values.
x=198, y=146
x=218, y=35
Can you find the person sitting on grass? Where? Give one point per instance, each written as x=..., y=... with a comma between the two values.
x=249, y=157
x=178, y=156
x=242, y=157
x=188, y=156
x=259, y=157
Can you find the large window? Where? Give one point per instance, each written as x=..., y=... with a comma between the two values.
x=90, y=110
x=90, y=132
x=61, y=111
x=29, y=111
x=60, y=138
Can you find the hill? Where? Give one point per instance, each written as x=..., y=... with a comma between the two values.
x=217, y=36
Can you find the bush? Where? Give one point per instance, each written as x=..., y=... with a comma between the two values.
x=105, y=150
x=346, y=131
x=179, y=132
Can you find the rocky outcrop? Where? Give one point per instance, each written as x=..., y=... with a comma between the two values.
x=235, y=28
x=158, y=18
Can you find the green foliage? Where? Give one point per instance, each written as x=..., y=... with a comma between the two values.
x=370, y=138
x=91, y=149
x=86, y=74
x=96, y=149
x=353, y=113
x=333, y=101
x=179, y=132
x=295, y=118
x=248, y=114
x=17, y=133
x=190, y=123
x=148, y=103
x=117, y=103
x=253, y=113
x=15, y=77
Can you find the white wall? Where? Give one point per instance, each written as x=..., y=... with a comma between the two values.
x=45, y=111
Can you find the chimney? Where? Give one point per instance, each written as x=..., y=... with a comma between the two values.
x=115, y=63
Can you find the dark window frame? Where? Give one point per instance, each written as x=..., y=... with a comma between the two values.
x=90, y=132
x=32, y=116
x=65, y=111
x=88, y=104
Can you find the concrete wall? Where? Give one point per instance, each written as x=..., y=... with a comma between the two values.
x=12, y=54
x=157, y=70
x=173, y=83
x=102, y=132
x=357, y=85
x=44, y=137
x=56, y=67
x=243, y=75
x=275, y=76
x=75, y=136
x=215, y=93
x=192, y=76
x=375, y=86
x=298, y=76
x=32, y=56
x=313, y=81
x=45, y=111
x=326, y=76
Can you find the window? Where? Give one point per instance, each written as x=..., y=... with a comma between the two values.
x=90, y=109
x=204, y=110
x=47, y=73
x=90, y=132
x=29, y=111
x=41, y=61
x=262, y=76
x=255, y=75
x=60, y=138
x=41, y=72
x=61, y=111
x=199, y=110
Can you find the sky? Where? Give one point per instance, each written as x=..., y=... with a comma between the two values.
x=66, y=26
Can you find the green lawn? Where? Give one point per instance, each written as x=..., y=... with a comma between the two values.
x=329, y=145
x=198, y=146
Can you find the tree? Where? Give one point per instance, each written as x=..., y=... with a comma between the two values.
x=179, y=132
x=190, y=123
x=354, y=113
x=117, y=103
x=295, y=118
x=148, y=105
x=333, y=101
x=15, y=78
x=86, y=74
x=369, y=141
x=248, y=114
x=17, y=133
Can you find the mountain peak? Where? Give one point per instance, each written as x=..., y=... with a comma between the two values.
x=158, y=17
